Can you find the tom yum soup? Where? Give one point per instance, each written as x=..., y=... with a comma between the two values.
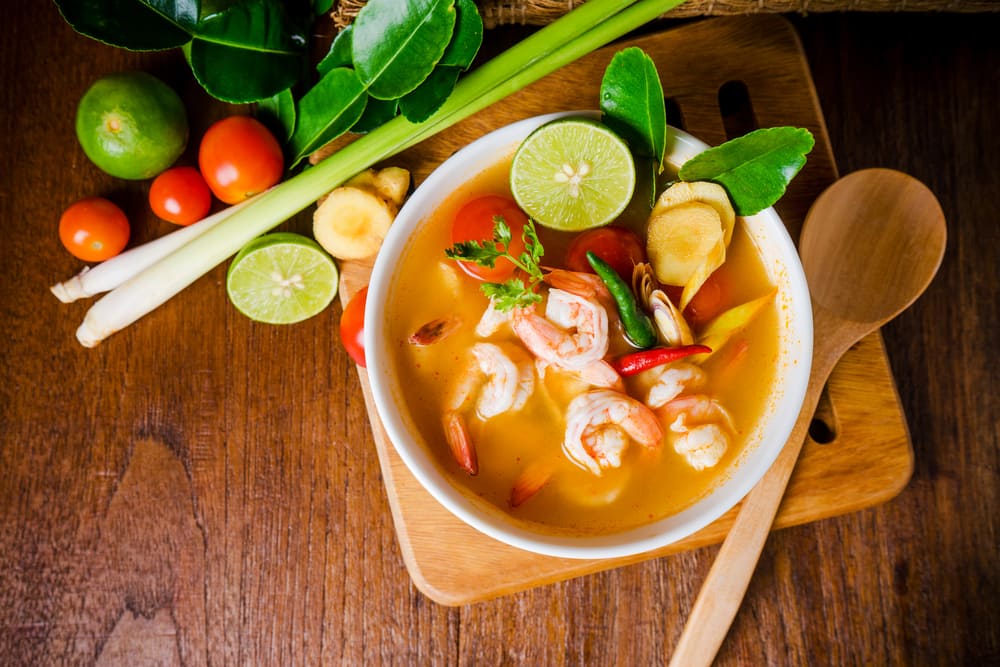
x=545, y=407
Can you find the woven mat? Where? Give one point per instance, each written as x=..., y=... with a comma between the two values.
x=539, y=12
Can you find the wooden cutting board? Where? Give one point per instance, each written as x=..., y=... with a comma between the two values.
x=719, y=74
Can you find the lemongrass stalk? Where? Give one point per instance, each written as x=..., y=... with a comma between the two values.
x=578, y=32
x=111, y=273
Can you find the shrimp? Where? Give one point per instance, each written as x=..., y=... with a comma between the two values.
x=493, y=318
x=587, y=285
x=495, y=384
x=699, y=429
x=670, y=380
x=600, y=424
x=573, y=334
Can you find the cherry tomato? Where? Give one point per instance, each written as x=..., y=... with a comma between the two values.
x=352, y=326
x=474, y=222
x=707, y=301
x=94, y=229
x=239, y=157
x=619, y=247
x=180, y=195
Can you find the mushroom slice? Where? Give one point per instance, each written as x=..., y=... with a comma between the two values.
x=671, y=327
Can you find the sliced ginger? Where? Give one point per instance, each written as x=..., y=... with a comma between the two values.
x=391, y=183
x=351, y=221
x=679, y=239
x=688, y=232
x=706, y=192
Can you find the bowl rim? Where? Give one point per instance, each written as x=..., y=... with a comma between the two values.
x=443, y=180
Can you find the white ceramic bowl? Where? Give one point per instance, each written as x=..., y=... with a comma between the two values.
x=795, y=354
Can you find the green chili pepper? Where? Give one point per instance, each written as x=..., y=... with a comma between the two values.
x=638, y=326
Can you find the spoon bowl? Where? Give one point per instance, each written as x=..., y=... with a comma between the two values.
x=878, y=231
x=871, y=244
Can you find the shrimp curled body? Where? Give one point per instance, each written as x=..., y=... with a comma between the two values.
x=600, y=424
x=699, y=429
x=572, y=334
x=494, y=383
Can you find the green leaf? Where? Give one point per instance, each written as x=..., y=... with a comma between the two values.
x=321, y=7
x=137, y=25
x=377, y=113
x=419, y=104
x=339, y=54
x=756, y=168
x=278, y=114
x=328, y=110
x=510, y=294
x=467, y=37
x=249, y=52
x=633, y=104
x=397, y=43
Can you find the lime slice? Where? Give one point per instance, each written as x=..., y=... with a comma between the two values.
x=281, y=278
x=573, y=174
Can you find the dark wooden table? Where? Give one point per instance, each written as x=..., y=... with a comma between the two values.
x=200, y=490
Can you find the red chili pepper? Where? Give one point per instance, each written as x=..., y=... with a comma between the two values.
x=637, y=362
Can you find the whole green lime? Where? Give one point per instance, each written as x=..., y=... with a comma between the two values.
x=131, y=125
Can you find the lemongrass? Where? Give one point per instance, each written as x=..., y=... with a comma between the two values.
x=577, y=33
x=111, y=273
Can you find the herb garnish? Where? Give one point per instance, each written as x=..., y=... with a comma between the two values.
x=754, y=168
x=632, y=104
x=513, y=293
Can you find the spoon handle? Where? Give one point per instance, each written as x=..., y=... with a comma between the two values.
x=726, y=584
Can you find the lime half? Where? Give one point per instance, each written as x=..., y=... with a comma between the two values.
x=573, y=174
x=282, y=278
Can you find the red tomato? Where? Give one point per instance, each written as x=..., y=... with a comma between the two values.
x=352, y=326
x=621, y=248
x=239, y=157
x=707, y=301
x=474, y=222
x=180, y=195
x=94, y=229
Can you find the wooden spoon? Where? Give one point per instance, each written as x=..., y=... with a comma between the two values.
x=871, y=244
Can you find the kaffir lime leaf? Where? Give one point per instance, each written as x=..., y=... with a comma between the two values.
x=131, y=125
x=282, y=278
x=573, y=174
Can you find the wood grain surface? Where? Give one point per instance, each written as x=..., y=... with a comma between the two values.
x=203, y=490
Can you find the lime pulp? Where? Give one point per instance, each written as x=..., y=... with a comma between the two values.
x=282, y=278
x=573, y=174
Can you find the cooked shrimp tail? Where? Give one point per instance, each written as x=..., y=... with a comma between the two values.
x=460, y=442
x=531, y=480
x=493, y=383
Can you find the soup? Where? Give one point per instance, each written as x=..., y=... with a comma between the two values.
x=524, y=467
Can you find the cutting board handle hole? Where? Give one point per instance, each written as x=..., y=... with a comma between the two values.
x=821, y=433
x=675, y=116
x=736, y=108
x=823, y=429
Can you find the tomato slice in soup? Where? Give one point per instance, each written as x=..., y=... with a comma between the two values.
x=621, y=248
x=474, y=222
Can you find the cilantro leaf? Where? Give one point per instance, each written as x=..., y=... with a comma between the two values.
x=510, y=294
x=513, y=293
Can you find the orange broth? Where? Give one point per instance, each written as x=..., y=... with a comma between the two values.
x=647, y=486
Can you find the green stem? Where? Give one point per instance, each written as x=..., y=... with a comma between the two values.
x=579, y=32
